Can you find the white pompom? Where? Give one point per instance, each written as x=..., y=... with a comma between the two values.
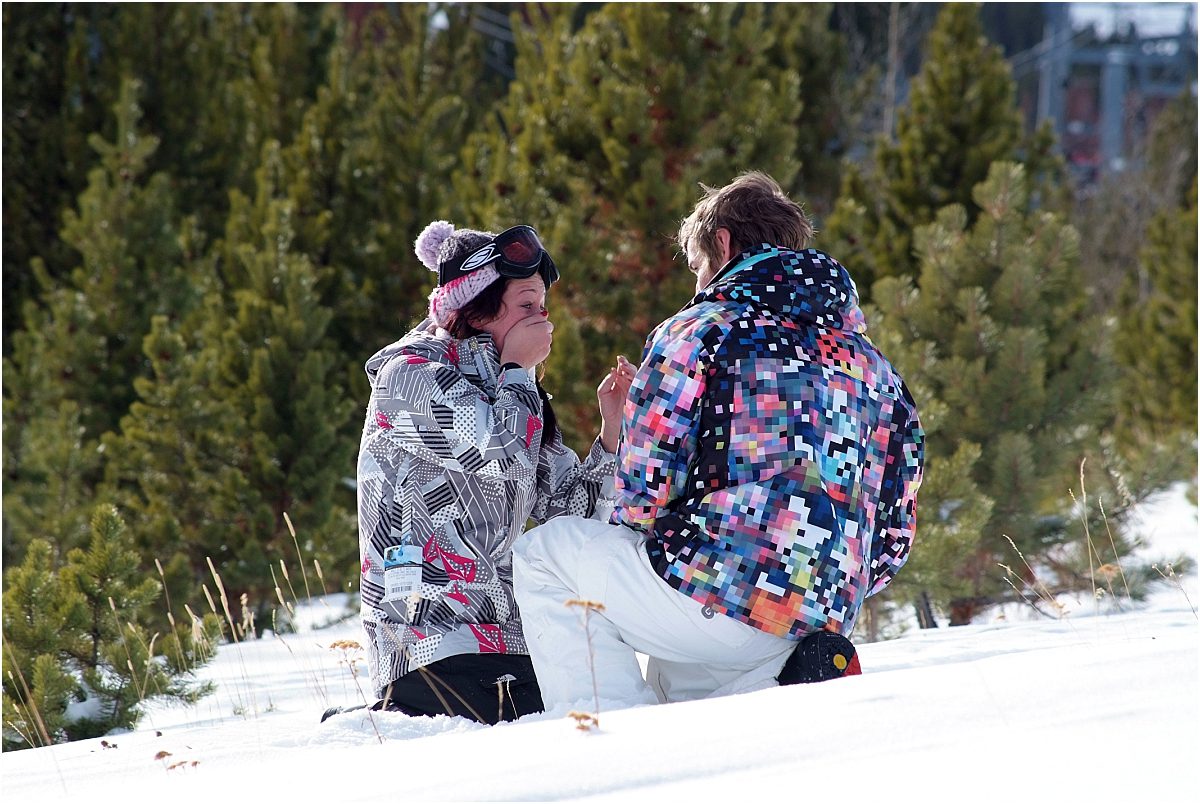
x=429, y=242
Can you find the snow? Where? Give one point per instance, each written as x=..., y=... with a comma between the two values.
x=1095, y=707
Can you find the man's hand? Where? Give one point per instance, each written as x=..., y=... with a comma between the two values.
x=611, y=394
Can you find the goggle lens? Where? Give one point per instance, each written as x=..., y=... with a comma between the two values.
x=520, y=246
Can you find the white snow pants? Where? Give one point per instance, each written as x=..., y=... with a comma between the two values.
x=693, y=652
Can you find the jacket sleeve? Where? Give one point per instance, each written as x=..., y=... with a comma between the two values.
x=897, y=517
x=568, y=486
x=661, y=421
x=432, y=411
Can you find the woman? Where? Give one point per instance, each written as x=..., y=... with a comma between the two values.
x=459, y=450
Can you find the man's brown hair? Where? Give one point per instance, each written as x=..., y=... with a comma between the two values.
x=754, y=209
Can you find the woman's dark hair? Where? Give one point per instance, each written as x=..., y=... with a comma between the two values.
x=485, y=307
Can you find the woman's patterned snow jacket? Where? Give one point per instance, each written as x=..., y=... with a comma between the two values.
x=771, y=452
x=452, y=462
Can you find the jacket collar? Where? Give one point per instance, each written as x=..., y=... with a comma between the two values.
x=477, y=357
x=808, y=287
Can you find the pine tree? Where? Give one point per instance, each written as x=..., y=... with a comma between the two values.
x=86, y=331
x=808, y=45
x=1002, y=354
x=1140, y=257
x=220, y=81
x=51, y=468
x=279, y=369
x=176, y=465
x=245, y=395
x=43, y=617
x=1115, y=216
x=371, y=166
x=606, y=132
x=960, y=118
x=217, y=81
x=1156, y=337
x=46, y=155
x=78, y=660
x=1171, y=154
x=72, y=367
x=953, y=511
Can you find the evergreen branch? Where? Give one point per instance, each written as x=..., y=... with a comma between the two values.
x=38, y=722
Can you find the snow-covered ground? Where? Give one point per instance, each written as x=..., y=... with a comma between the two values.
x=1095, y=707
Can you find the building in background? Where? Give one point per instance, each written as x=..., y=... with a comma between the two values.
x=1101, y=73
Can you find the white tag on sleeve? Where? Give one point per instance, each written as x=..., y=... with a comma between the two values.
x=401, y=572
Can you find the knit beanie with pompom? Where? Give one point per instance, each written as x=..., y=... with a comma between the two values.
x=441, y=243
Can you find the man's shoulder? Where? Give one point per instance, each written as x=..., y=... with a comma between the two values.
x=701, y=321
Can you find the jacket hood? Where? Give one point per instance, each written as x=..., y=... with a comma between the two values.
x=435, y=347
x=809, y=287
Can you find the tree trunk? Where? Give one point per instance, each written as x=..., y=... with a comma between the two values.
x=963, y=610
x=924, y=608
x=893, y=67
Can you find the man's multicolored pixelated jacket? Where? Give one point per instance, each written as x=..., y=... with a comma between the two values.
x=771, y=453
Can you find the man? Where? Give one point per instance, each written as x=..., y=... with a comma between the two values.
x=766, y=484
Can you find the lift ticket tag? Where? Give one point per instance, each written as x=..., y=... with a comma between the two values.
x=401, y=571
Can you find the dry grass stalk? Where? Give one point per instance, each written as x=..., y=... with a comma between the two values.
x=288, y=520
x=429, y=677
x=208, y=596
x=1107, y=570
x=314, y=676
x=224, y=599
x=240, y=707
x=163, y=576
x=247, y=623
x=1112, y=542
x=315, y=680
x=504, y=688
x=149, y=649
x=287, y=577
x=141, y=688
x=1040, y=588
x=278, y=592
x=1170, y=577
x=288, y=607
x=320, y=576
x=351, y=656
x=432, y=679
x=1009, y=575
x=1086, y=530
x=28, y=730
x=179, y=654
x=587, y=607
x=200, y=642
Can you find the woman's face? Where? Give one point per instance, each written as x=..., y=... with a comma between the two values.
x=523, y=298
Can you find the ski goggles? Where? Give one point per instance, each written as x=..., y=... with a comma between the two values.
x=517, y=252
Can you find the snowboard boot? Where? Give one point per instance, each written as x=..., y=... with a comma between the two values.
x=379, y=706
x=337, y=710
x=820, y=656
